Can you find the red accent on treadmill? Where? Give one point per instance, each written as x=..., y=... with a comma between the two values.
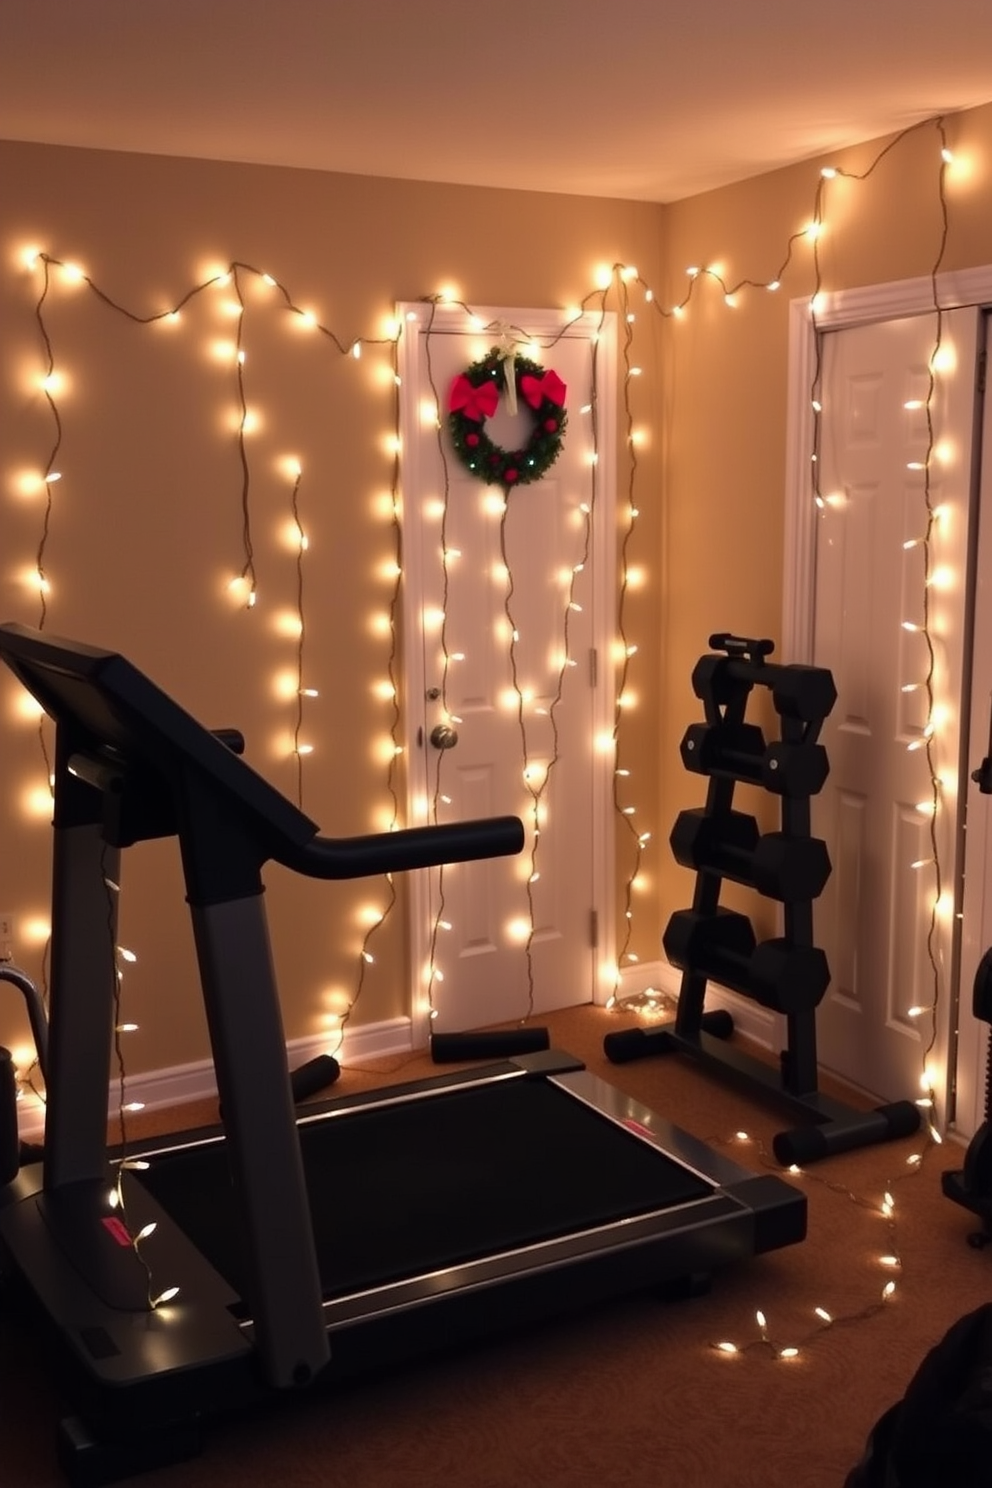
x=636, y=1126
x=118, y=1230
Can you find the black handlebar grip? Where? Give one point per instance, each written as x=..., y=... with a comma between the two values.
x=395, y=852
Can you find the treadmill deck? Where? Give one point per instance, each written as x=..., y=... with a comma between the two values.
x=443, y=1211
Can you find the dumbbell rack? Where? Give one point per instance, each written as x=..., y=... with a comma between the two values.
x=787, y=974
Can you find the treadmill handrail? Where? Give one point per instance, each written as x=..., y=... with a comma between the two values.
x=119, y=718
x=394, y=852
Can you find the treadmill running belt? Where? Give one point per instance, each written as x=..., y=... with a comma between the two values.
x=432, y=1182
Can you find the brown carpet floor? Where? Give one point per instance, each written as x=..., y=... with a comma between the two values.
x=632, y=1394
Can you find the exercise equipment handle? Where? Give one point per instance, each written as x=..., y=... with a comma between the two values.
x=983, y=775
x=394, y=852
x=746, y=647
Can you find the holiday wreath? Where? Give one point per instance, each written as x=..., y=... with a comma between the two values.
x=474, y=397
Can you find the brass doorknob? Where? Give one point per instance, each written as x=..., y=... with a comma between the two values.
x=443, y=736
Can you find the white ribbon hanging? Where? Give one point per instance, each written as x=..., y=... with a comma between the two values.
x=508, y=355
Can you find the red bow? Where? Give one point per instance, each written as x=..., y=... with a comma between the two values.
x=476, y=403
x=536, y=389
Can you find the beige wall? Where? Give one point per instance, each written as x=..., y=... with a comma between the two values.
x=146, y=524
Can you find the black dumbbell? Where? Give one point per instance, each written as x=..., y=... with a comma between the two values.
x=691, y=937
x=794, y=770
x=804, y=692
x=714, y=683
x=777, y=974
x=739, y=750
x=788, y=869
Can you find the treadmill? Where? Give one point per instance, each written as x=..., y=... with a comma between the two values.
x=306, y=1246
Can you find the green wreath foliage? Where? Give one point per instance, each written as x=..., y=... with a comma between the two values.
x=481, y=455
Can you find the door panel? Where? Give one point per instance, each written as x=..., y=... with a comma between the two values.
x=507, y=598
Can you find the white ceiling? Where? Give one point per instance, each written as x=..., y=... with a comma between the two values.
x=643, y=99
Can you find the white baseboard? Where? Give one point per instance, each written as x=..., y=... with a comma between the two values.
x=189, y=1082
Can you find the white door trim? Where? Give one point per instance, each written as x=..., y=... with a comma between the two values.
x=841, y=310
x=544, y=325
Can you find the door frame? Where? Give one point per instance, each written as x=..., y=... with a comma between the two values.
x=841, y=310
x=976, y=904
x=417, y=320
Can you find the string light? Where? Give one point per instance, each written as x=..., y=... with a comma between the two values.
x=244, y=586
x=889, y=1259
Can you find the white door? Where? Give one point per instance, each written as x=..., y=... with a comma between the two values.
x=972, y=1091
x=509, y=612
x=897, y=647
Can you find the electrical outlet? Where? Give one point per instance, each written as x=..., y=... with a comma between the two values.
x=6, y=936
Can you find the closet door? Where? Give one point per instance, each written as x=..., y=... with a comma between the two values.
x=976, y=898
x=891, y=622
